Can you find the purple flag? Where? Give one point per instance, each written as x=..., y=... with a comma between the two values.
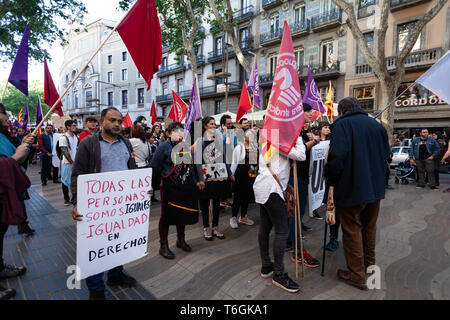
x=19, y=72
x=16, y=124
x=38, y=112
x=26, y=117
x=312, y=95
x=253, y=86
x=194, y=112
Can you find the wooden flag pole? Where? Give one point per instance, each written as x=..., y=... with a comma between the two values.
x=295, y=225
x=4, y=90
x=81, y=71
x=299, y=225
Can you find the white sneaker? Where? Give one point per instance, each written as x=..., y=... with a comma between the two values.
x=247, y=221
x=207, y=234
x=234, y=223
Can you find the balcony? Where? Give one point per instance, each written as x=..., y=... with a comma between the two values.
x=218, y=55
x=171, y=69
x=417, y=60
x=268, y=4
x=270, y=38
x=327, y=20
x=205, y=92
x=300, y=28
x=201, y=60
x=365, y=11
x=363, y=68
x=397, y=5
x=244, y=14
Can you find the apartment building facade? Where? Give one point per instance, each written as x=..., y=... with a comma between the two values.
x=111, y=79
x=417, y=107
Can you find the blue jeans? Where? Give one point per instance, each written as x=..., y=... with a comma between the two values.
x=96, y=283
x=303, y=197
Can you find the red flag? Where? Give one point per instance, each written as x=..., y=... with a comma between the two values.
x=126, y=122
x=141, y=32
x=50, y=93
x=284, y=119
x=179, y=108
x=244, y=103
x=153, y=113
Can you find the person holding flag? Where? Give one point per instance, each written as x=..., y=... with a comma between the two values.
x=281, y=129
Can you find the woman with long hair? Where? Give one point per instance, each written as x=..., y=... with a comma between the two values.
x=141, y=149
x=216, y=175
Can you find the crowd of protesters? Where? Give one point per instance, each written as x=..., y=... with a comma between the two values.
x=230, y=167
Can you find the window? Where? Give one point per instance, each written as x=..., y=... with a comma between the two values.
x=219, y=45
x=164, y=88
x=300, y=57
x=366, y=97
x=365, y=3
x=299, y=15
x=327, y=53
x=403, y=32
x=273, y=59
x=243, y=38
x=75, y=97
x=164, y=111
x=179, y=85
x=110, y=99
x=324, y=92
x=88, y=98
x=124, y=56
x=274, y=23
x=164, y=62
x=109, y=59
x=110, y=77
x=200, y=80
x=327, y=6
x=124, y=98
x=218, y=107
x=369, y=40
x=138, y=74
x=124, y=74
x=140, y=96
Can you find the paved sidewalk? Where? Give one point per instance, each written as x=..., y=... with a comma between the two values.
x=413, y=245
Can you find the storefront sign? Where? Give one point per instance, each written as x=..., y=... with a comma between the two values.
x=419, y=102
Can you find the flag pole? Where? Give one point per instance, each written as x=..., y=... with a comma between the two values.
x=299, y=225
x=81, y=71
x=4, y=91
x=385, y=108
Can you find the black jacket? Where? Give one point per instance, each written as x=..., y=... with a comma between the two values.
x=359, y=151
x=88, y=159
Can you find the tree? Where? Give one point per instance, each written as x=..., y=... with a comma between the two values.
x=44, y=17
x=389, y=83
x=223, y=12
x=181, y=30
x=15, y=100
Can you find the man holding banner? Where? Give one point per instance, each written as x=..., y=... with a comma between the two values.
x=102, y=152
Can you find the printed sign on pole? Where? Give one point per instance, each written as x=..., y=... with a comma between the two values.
x=316, y=183
x=116, y=211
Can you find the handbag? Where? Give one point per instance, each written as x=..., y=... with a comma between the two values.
x=290, y=199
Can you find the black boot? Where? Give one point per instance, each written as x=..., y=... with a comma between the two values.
x=183, y=245
x=24, y=228
x=165, y=251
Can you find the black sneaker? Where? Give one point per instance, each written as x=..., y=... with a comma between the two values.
x=97, y=295
x=6, y=294
x=25, y=229
x=306, y=228
x=267, y=272
x=122, y=280
x=316, y=215
x=285, y=283
x=11, y=271
x=420, y=186
x=67, y=203
x=434, y=188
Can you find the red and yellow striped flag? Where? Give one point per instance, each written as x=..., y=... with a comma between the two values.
x=20, y=116
x=329, y=103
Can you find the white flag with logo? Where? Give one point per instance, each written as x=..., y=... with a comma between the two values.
x=437, y=78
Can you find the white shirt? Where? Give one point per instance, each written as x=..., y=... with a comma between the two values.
x=73, y=142
x=55, y=160
x=265, y=184
x=141, y=151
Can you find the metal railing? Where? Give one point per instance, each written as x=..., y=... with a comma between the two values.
x=270, y=3
x=300, y=26
x=400, y=4
x=171, y=68
x=244, y=13
x=270, y=36
x=334, y=15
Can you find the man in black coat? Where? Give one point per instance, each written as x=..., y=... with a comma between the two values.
x=356, y=168
x=45, y=142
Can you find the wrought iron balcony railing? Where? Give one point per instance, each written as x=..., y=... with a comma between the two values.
x=171, y=68
x=267, y=4
x=327, y=19
x=271, y=36
x=244, y=13
x=402, y=4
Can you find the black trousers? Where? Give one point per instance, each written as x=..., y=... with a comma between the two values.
x=46, y=170
x=273, y=214
x=55, y=173
x=66, y=193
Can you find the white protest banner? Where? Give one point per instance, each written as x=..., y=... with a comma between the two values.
x=116, y=211
x=316, y=183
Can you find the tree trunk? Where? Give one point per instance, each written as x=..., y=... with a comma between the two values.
x=388, y=94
